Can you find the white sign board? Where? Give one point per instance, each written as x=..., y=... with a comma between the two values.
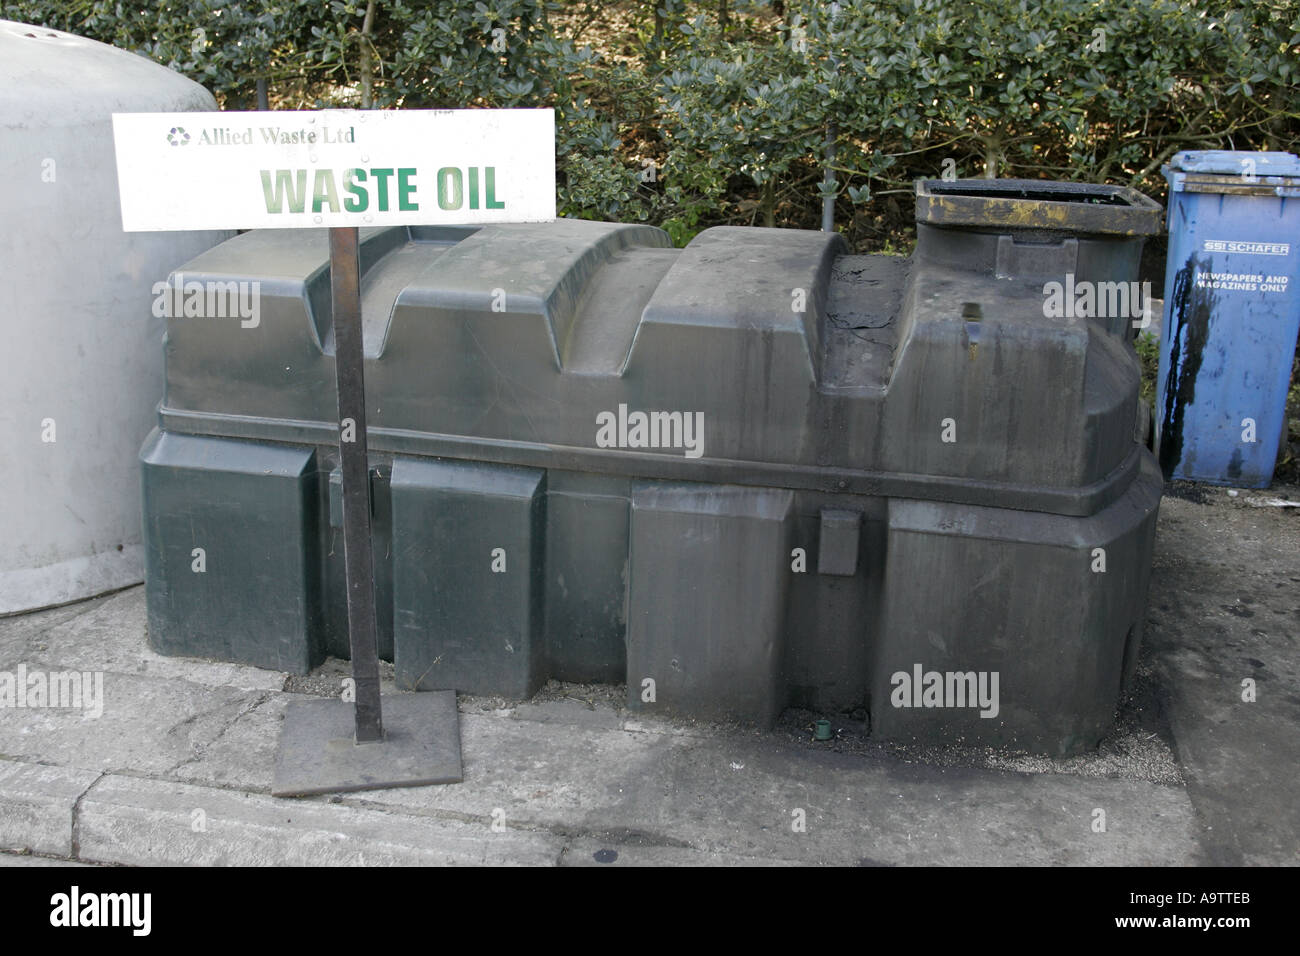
x=288, y=169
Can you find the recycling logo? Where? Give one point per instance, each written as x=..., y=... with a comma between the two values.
x=177, y=136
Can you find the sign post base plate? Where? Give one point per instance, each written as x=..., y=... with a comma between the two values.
x=318, y=752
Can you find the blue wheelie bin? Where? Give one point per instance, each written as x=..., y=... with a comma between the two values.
x=1232, y=311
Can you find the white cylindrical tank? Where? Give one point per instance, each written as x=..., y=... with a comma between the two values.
x=80, y=348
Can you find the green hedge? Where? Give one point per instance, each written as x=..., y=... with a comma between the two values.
x=700, y=113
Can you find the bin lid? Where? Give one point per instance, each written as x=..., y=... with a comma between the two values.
x=1234, y=171
x=1228, y=162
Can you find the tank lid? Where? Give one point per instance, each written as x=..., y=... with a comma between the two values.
x=1034, y=204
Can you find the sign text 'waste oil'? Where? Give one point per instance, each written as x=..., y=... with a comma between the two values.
x=334, y=168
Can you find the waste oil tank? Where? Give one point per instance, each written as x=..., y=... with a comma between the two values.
x=753, y=473
x=83, y=340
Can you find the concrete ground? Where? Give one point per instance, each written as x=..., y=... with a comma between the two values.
x=177, y=770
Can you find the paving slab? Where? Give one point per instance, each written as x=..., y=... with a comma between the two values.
x=1225, y=609
x=146, y=822
x=26, y=859
x=107, y=634
x=149, y=725
x=37, y=805
x=739, y=796
x=595, y=853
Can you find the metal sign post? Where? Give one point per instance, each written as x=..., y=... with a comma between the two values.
x=422, y=742
x=341, y=170
x=345, y=295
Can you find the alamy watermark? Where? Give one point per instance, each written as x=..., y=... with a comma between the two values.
x=1098, y=300
x=922, y=688
x=129, y=910
x=624, y=429
x=71, y=690
x=210, y=299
